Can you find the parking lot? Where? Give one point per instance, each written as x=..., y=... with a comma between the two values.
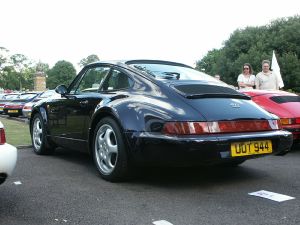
x=65, y=188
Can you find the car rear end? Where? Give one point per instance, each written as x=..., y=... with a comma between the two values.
x=290, y=118
x=226, y=126
x=283, y=104
x=230, y=128
x=6, y=99
x=13, y=108
x=8, y=156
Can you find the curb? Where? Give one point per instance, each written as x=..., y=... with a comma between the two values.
x=19, y=119
x=23, y=146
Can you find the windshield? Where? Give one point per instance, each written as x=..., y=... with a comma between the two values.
x=27, y=96
x=47, y=94
x=162, y=71
x=10, y=97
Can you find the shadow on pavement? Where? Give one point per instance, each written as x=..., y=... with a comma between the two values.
x=174, y=176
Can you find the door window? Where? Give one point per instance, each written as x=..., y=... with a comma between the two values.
x=116, y=81
x=90, y=81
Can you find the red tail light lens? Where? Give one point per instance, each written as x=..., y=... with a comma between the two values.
x=2, y=136
x=183, y=128
x=289, y=121
x=190, y=128
x=27, y=107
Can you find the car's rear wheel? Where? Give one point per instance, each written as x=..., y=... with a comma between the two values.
x=38, y=137
x=109, y=151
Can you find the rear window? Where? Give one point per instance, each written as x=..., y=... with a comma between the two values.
x=27, y=96
x=173, y=72
x=285, y=99
x=10, y=97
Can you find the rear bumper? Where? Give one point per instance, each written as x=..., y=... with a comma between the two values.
x=189, y=150
x=295, y=132
x=15, y=112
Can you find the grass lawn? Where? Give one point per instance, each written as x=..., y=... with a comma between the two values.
x=17, y=133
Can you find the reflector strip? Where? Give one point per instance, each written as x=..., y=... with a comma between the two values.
x=2, y=136
x=190, y=128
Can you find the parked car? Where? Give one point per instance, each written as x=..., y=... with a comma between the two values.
x=6, y=99
x=15, y=106
x=28, y=106
x=283, y=104
x=8, y=156
x=148, y=112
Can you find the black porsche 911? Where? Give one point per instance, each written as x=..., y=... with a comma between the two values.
x=149, y=112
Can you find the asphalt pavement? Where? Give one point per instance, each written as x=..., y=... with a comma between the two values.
x=65, y=188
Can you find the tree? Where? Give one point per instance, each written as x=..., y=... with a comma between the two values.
x=3, y=57
x=63, y=72
x=21, y=67
x=254, y=44
x=88, y=60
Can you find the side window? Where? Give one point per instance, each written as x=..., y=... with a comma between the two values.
x=116, y=81
x=91, y=80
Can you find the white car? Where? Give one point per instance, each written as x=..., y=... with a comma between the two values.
x=8, y=156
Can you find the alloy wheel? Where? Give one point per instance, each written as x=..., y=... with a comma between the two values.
x=37, y=134
x=106, y=149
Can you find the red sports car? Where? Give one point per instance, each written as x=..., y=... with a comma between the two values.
x=284, y=104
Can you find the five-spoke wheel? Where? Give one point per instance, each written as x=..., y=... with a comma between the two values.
x=109, y=150
x=38, y=136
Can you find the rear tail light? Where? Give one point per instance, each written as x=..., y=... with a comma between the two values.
x=289, y=121
x=2, y=136
x=198, y=128
x=27, y=107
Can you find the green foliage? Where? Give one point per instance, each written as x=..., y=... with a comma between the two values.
x=88, y=60
x=254, y=44
x=63, y=72
x=16, y=71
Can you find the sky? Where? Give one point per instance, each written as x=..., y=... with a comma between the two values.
x=176, y=30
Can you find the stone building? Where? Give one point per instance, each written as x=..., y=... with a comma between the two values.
x=39, y=79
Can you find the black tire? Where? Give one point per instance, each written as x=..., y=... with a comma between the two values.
x=110, y=151
x=40, y=144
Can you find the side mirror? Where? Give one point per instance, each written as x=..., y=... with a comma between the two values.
x=61, y=89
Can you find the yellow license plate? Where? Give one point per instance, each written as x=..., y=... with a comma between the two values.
x=12, y=111
x=251, y=148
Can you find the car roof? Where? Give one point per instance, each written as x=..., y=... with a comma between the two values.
x=139, y=61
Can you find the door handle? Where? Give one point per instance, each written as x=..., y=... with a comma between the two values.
x=84, y=102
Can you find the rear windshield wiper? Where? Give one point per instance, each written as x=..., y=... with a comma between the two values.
x=171, y=75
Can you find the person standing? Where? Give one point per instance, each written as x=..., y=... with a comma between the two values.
x=266, y=79
x=246, y=80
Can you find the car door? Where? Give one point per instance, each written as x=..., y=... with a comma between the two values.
x=68, y=115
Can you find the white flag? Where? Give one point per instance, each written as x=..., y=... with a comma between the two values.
x=276, y=69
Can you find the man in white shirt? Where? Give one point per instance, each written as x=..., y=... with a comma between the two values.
x=266, y=79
